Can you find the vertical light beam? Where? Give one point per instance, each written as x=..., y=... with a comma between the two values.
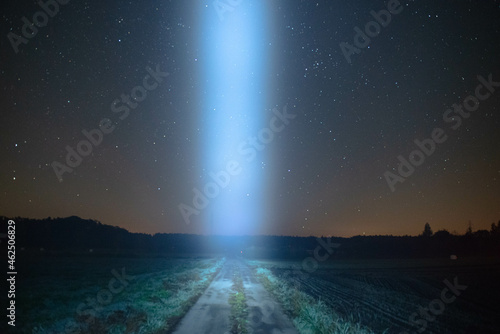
x=234, y=45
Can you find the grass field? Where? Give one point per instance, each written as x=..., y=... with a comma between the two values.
x=96, y=294
x=60, y=294
x=381, y=295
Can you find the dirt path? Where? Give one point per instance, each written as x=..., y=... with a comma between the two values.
x=265, y=314
x=210, y=314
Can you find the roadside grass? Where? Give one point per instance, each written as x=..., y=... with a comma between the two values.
x=310, y=316
x=152, y=302
x=239, y=310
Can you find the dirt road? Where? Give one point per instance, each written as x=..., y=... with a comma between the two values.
x=210, y=314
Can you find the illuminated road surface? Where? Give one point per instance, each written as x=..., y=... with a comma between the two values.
x=210, y=314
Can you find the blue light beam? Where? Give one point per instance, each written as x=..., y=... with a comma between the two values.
x=233, y=110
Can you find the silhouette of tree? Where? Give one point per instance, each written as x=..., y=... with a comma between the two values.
x=427, y=230
x=482, y=234
x=495, y=229
x=469, y=229
x=442, y=234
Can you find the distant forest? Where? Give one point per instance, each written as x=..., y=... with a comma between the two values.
x=73, y=235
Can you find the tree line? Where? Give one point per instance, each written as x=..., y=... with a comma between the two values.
x=74, y=235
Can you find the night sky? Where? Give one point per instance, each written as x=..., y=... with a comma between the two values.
x=356, y=106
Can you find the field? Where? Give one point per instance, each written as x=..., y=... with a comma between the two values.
x=383, y=294
x=95, y=294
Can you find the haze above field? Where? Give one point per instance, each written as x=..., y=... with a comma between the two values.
x=323, y=173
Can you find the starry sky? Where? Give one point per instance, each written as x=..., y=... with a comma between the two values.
x=358, y=105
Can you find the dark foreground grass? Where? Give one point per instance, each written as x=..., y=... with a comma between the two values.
x=310, y=316
x=154, y=301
